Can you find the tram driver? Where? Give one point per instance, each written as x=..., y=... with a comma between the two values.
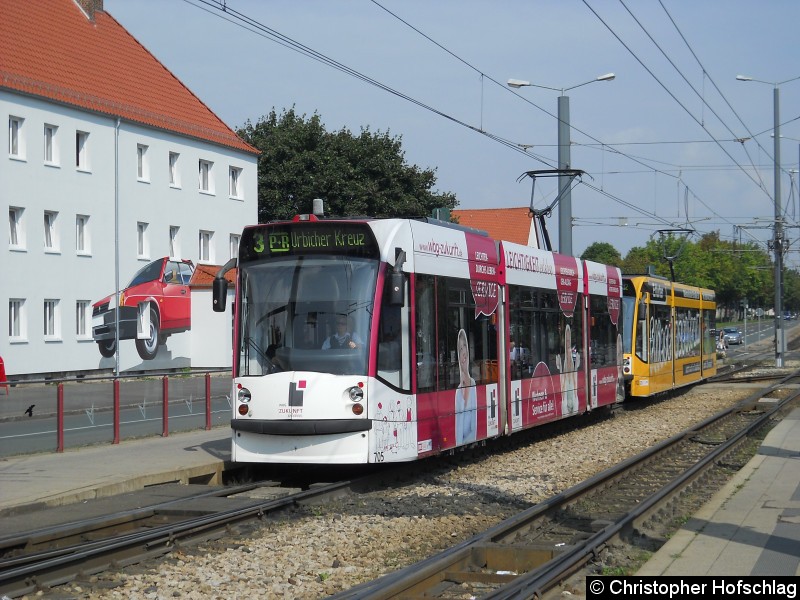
x=343, y=338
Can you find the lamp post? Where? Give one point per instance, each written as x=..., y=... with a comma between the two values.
x=792, y=172
x=778, y=231
x=565, y=195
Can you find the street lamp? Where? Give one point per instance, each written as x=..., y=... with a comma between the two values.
x=565, y=195
x=778, y=235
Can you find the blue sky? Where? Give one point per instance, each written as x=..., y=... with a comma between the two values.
x=656, y=143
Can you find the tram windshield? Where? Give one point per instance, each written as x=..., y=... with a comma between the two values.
x=306, y=313
x=628, y=307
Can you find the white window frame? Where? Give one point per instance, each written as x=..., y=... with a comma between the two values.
x=142, y=163
x=205, y=250
x=233, y=245
x=82, y=150
x=142, y=246
x=50, y=238
x=16, y=137
x=17, y=322
x=174, y=172
x=51, y=322
x=83, y=319
x=205, y=176
x=83, y=241
x=174, y=241
x=51, y=154
x=235, y=183
x=16, y=229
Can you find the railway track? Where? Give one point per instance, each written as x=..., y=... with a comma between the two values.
x=53, y=555
x=175, y=515
x=530, y=554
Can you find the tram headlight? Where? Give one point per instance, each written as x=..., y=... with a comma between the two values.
x=356, y=394
x=626, y=366
x=244, y=395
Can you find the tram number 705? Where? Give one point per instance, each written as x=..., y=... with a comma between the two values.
x=379, y=457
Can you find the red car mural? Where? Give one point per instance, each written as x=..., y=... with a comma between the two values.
x=153, y=306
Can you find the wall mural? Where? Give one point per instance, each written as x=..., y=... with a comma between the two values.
x=154, y=306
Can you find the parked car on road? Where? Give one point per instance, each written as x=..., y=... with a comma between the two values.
x=154, y=305
x=732, y=335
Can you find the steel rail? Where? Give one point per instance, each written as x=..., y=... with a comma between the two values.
x=25, y=574
x=538, y=581
x=20, y=542
x=419, y=578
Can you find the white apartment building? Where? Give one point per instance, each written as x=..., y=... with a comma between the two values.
x=100, y=176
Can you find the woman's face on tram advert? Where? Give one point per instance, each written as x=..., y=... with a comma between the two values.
x=463, y=352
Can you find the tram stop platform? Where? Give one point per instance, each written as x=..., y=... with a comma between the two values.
x=752, y=525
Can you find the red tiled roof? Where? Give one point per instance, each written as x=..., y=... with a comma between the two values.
x=50, y=49
x=510, y=224
x=204, y=275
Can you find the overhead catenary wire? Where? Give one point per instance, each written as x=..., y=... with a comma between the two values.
x=688, y=83
x=235, y=17
x=665, y=88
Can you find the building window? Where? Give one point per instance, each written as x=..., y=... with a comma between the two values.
x=174, y=247
x=82, y=245
x=82, y=150
x=16, y=142
x=142, y=166
x=16, y=320
x=52, y=324
x=206, y=176
x=206, y=250
x=234, y=178
x=50, y=231
x=50, y=146
x=82, y=316
x=233, y=245
x=16, y=233
x=174, y=177
x=142, y=249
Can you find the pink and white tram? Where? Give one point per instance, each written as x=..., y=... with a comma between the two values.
x=366, y=341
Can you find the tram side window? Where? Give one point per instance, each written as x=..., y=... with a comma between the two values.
x=425, y=307
x=661, y=333
x=709, y=325
x=687, y=332
x=642, y=344
x=445, y=306
x=456, y=312
x=603, y=334
x=538, y=328
x=524, y=332
x=553, y=330
x=393, y=346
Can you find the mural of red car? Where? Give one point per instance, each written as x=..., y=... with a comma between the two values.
x=153, y=306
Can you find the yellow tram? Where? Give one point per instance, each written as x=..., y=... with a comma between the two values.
x=668, y=337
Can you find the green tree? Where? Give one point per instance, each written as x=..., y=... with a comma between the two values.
x=736, y=272
x=638, y=259
x=363, y=174
x=791, y=290
x=602, y=252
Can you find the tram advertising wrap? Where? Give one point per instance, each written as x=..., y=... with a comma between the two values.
x=385, y=340
x=669, y=342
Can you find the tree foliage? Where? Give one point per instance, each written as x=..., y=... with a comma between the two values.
x=603, y=252
x=363, y=174
x=736, y=272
